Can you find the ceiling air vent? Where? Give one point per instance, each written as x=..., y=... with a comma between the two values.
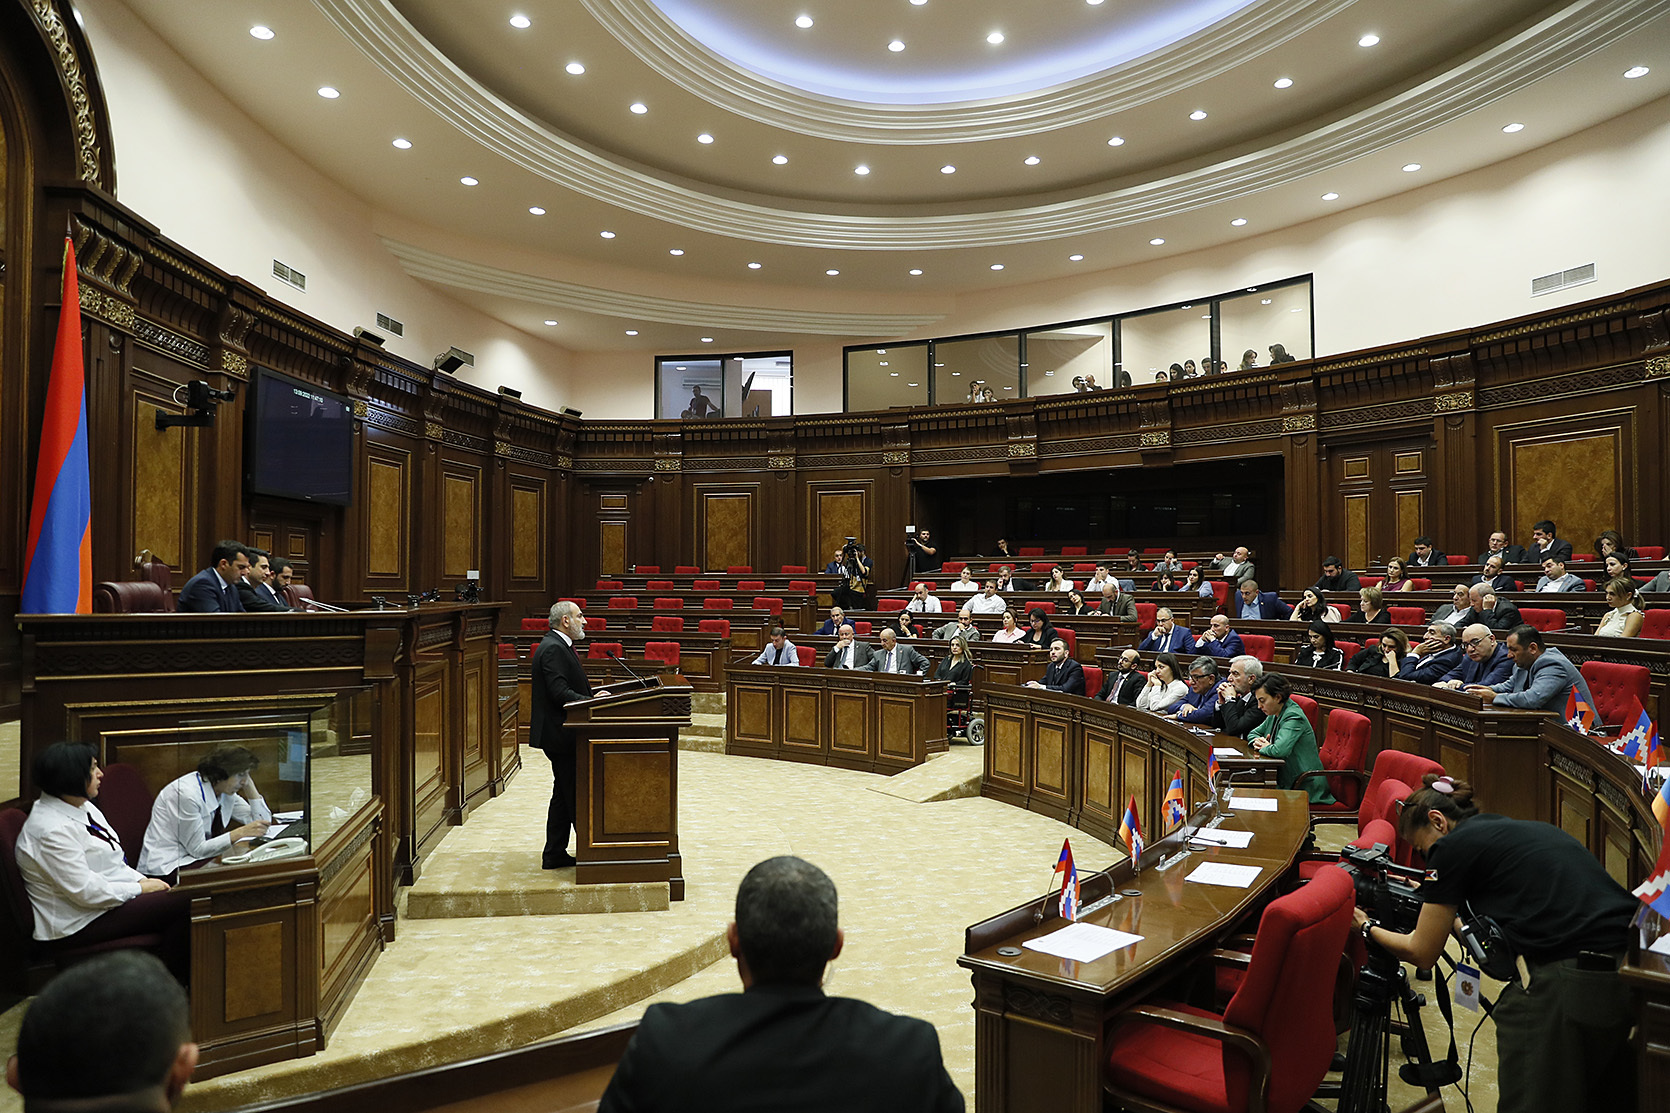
x=289, y=275
x=1563, y=280
x=389, y=324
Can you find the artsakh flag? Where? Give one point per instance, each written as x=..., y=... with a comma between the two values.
x=1639, y=726
x=1579, y=715
x=1130, y=830
x=1177, y=808
x=1655, y=891
x=58, y=551
x=1069, y=882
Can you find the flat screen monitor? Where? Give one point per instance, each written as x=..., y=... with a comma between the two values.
x=300, y=441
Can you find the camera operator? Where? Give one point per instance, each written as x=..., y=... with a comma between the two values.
x=921, y=556
x=1563, y=1021
x=853, y=593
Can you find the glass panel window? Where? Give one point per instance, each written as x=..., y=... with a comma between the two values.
x=689, y=388
x=963, y=368
x=881, y=378
x=1070, y=358
x=1151, y=343
x=1255, y=323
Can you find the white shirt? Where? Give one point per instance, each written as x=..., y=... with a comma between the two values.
x=982, y=605
x=1066, y=585
x=1161, y=697
x=1014, y=635
x=71, y=874
x=960, y=586
x=181, y=816
x=930, y=605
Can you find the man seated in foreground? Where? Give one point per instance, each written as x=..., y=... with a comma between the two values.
x=849, y=652
x=1432, y=660
x=1063, y=673
x=109, y=1034
x=1487, y=661
x=781, y=1043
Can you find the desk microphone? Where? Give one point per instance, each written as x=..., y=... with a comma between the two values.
x=642, y=683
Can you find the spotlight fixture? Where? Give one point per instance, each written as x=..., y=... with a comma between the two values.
x=452, y=359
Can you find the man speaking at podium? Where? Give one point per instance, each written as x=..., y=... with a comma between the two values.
x=558, y=680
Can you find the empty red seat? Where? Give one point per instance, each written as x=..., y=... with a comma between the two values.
x=1406, y=616
x=810, y=587
x=807, y=656
x=581, y=603
x=667, y=624
x=686, y=570
x=1312, y=712
x=1032, y=550
x=1145, y=616
x=1084, y=568
x=543, y=622
x=950, y=567
x=720, y=626
x=1117, y=550
x=507, y=651
x=1047, y=606
x=1344, y=752
x=1613, y=686
x=1655, y=623
x=1188, y=564
x=668, y=603
x=931, y=585
x=1071, y=637
x=1220, y=594
x=1650, y=552
x=1043, y=566
x=718, y=604
x=665, y=652
x=891, y=604
x=739, y=569
x=862, y=628
x=1589, y=585
x=1544, y=618
x=1074, y=550
x=1370, y=581
x=794, y=568
x=647, y=569
x=1456, y=558
x=1161, y=551
x=610, y=585
x=623, y=602
x=1092, y=680
x=595, y=623
x=597, y=651
x=660, y=585
x=708, y=585
x=751, y=585
x=1347, y=650
x=1422, y=583
x=1586, y=557
x=1261, y=646
x=768, y=603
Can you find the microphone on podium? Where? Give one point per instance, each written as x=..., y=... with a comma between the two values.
x=642, y=683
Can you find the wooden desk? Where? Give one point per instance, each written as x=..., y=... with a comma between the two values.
x=875, y=722
x=1040, y=1021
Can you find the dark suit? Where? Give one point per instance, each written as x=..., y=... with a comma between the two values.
x=1558, y=548
x=1431, y=668
x=1269, y=603
x=1512, y=554
x=1503, y=616
x=1345, y=581
x=1501, y=583
x=1065, y=676
x=558, y=680
x=204, y=594
x=1227, y=646
x=1237, y=716
x=1491, y=671
x=259, y=598
x=861, y=655
x=1433, y=559
x=906, y=660
x=778, y=1048
x=1180, y=640
x=1122, y=606
x=1128, y=687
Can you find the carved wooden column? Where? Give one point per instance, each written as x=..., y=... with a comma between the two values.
x=671, y=516
x=1303, y=483
x=1456, y=471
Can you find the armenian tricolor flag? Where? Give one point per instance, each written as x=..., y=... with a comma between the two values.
x=1130, y=830
x=1176, y=807
x=1212, y=770
x=1069, y=882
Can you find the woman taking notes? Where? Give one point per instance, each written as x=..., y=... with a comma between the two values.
x=203, y=813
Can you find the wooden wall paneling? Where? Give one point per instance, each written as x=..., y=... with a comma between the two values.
x=460, y=520
x=726, y=523
x=1355, y=521
x=1304, y=540
x=162, y=482
x=1579, y=471
x=529, y=515
x=835, y=511
x=386, y=515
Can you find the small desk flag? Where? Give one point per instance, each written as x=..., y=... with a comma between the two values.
x=1069, y=882
x=1130, y=830
x=1177, y=808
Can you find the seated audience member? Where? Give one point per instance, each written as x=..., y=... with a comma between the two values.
x=965, y=582
x=1165, y=689
x=1319, y=652
x=1314, y=606
x=1077, y=605
x=1486, y=660
x=1165, y=581
x=1237, y=712
x=781, y=1043
x=1003, y=551
x=1249, y=360
x=958, y=666
x=1493, y=577
x=1169, y=562
x=1371, y=606
x=1167, y=636
x=1123, y=683
x=1057, y=582
x=109, y=1034
x=1458, y=609
x=1286, y=733
x=1545, y=544
x=1103, y=576
x=832, y=624
x=1498, y=543
x=1611, y=541
x=1162, y=377
x=1040, y=633
x=1278, y=354
x=1063, y=674
x=80, y=887
x=836, y=566
x=215, y=589
x=1660, y=582
x=988, y=601
x=201, y=814
x=1011, y=630
x=1382, y=657
x=960, y=627
x=899, y=622
x=897, y=658
x=781, y=651
x=849, y=652
x=255, y=592
x=1201, y=702
x=1434, y=657
x=923, y=603
x=1219, y=640
x=1189, y=369
x=1005, y=581
x=1494, y=613
x=1195, y=580
x=1116, y=602
x=1542, y=677
x=1616, y=565
x=1335, y=577
x=1238, y=566
x=1254, y=604
x=1425, y=556
x=1555, y=577
x=1397, y=577
x=1625, y=618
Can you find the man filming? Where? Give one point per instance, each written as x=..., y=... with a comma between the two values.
x=921, y=556
x=859, y=571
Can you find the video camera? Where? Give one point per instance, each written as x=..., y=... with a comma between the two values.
x=1383, y=887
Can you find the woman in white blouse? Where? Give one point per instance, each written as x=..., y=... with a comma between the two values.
x=1624, y=619
x=204, y=812
x=80, y=886
x=1057, y=582
x=1164, y=690
x=1011, y=631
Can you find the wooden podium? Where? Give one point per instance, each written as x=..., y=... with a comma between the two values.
x=626, y=783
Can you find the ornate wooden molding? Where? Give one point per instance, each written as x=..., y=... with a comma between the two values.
x=1548, y=324
x=669, y=463
x=89, y=155
x=1459, y=400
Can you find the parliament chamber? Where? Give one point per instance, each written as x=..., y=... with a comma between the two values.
x=412, y=955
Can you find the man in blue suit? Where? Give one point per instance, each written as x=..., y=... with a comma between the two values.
x=1434, y=657
x=1220, y=640
x=1167, y=636
x=215, y=589
x=1542, y=676
x=1252, y=603
x=1487, y=661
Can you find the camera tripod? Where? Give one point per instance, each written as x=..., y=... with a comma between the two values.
x=1362, y=1087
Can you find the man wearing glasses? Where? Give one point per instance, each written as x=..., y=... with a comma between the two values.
x=1487, y=660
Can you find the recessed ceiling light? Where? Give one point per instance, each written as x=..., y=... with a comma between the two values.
x=995, y=37
x=1511, y=128
x=676, y=251
x=886, y=363
x=1330, y=197
x=520, y=22
x=536, y=210
x=1637, y=71
x=861, y=170
x=606, y=234
x=917, y=3
x=753, y=266
x=780, y=160
x=893, y=374
x=895, y=46
x=329, y=92
x=915, y=271
x=803, y=21
x=1116, y=141
x=403, y=144
x=261, y=31
x=550, y=322
x=1263, y=301
x=638, y=107
x=1075, y=258
x=704, y=137
x=1093, y=3
x=575, y=68
x=1368, y=40
x=997, y=266
x=947, y=169
x=632, y=332
x=1284, y=83
x=1198, y=114
x=1156, y=241
x=1238, y=222
x=832, y=272
x=707, y=340
x=469, y=181
x=1032, y=160
x=1411, y=167
x=913, y=384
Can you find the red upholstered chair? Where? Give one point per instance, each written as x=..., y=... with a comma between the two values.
x=1655, y=623
x=807, y=655
x=1093, y=680
x=931, y=585
x=581, y=603
x=660, y=585
x=610, y=585
x=1076, y=550
x=1406, y=616
x=708, y=585
x=1220, y=594
x=1381, y=803
x=1071, y=637
x=1544, y=618
x=543, y=622
x=1145, y=617
x=739, y=569
x=598, y=651
x=1116, y=550
x=1042, y=566
x=862, y=628
x=1047, y=606
x=1160, y=551
x=718, y=604
x=720, y=626
x=1344, y=761
x=154, y=570
x=1650, y=552
x=668, y=603
x=1032, y=550
x=665, y=652
x=1612, y=685
x=1370, y=581
x=1456, y=558
x=507, y=651
x=1080, y=568
x=131, y=597
x=125, y=800
x=794, y=568
x=293, y=594
x=1589, y=585
x=1518, y=585
x=767, y=603
x=750, y=585
x=1272, y=1045
x=648, y=569
x=1400, y=765
x=1585, y=557
x=594, y=623
x=810, y=587
x=1262, y=646
x=950, y=567
x=1421, y=583
x=1312, y=712
x=891, y=604
x=667, y=624
x=1188, y=564
x=686, y=570
x=1347, y=650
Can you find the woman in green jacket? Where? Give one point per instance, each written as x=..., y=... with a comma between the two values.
x=1286, y=733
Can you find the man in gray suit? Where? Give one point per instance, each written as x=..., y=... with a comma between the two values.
x=1238, y=565
x=893, y=657
x=960, y=627
x=1117, y=602
x=1542, y=676
x=849, y=652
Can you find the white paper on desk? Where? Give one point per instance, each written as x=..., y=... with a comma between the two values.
x=1252, y=803
x=1661, y=945
x=1217, y=836
x=1226, y=751
x=287, y=817
x=1222, y=873
x=1082, y=942
x=276, y=830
